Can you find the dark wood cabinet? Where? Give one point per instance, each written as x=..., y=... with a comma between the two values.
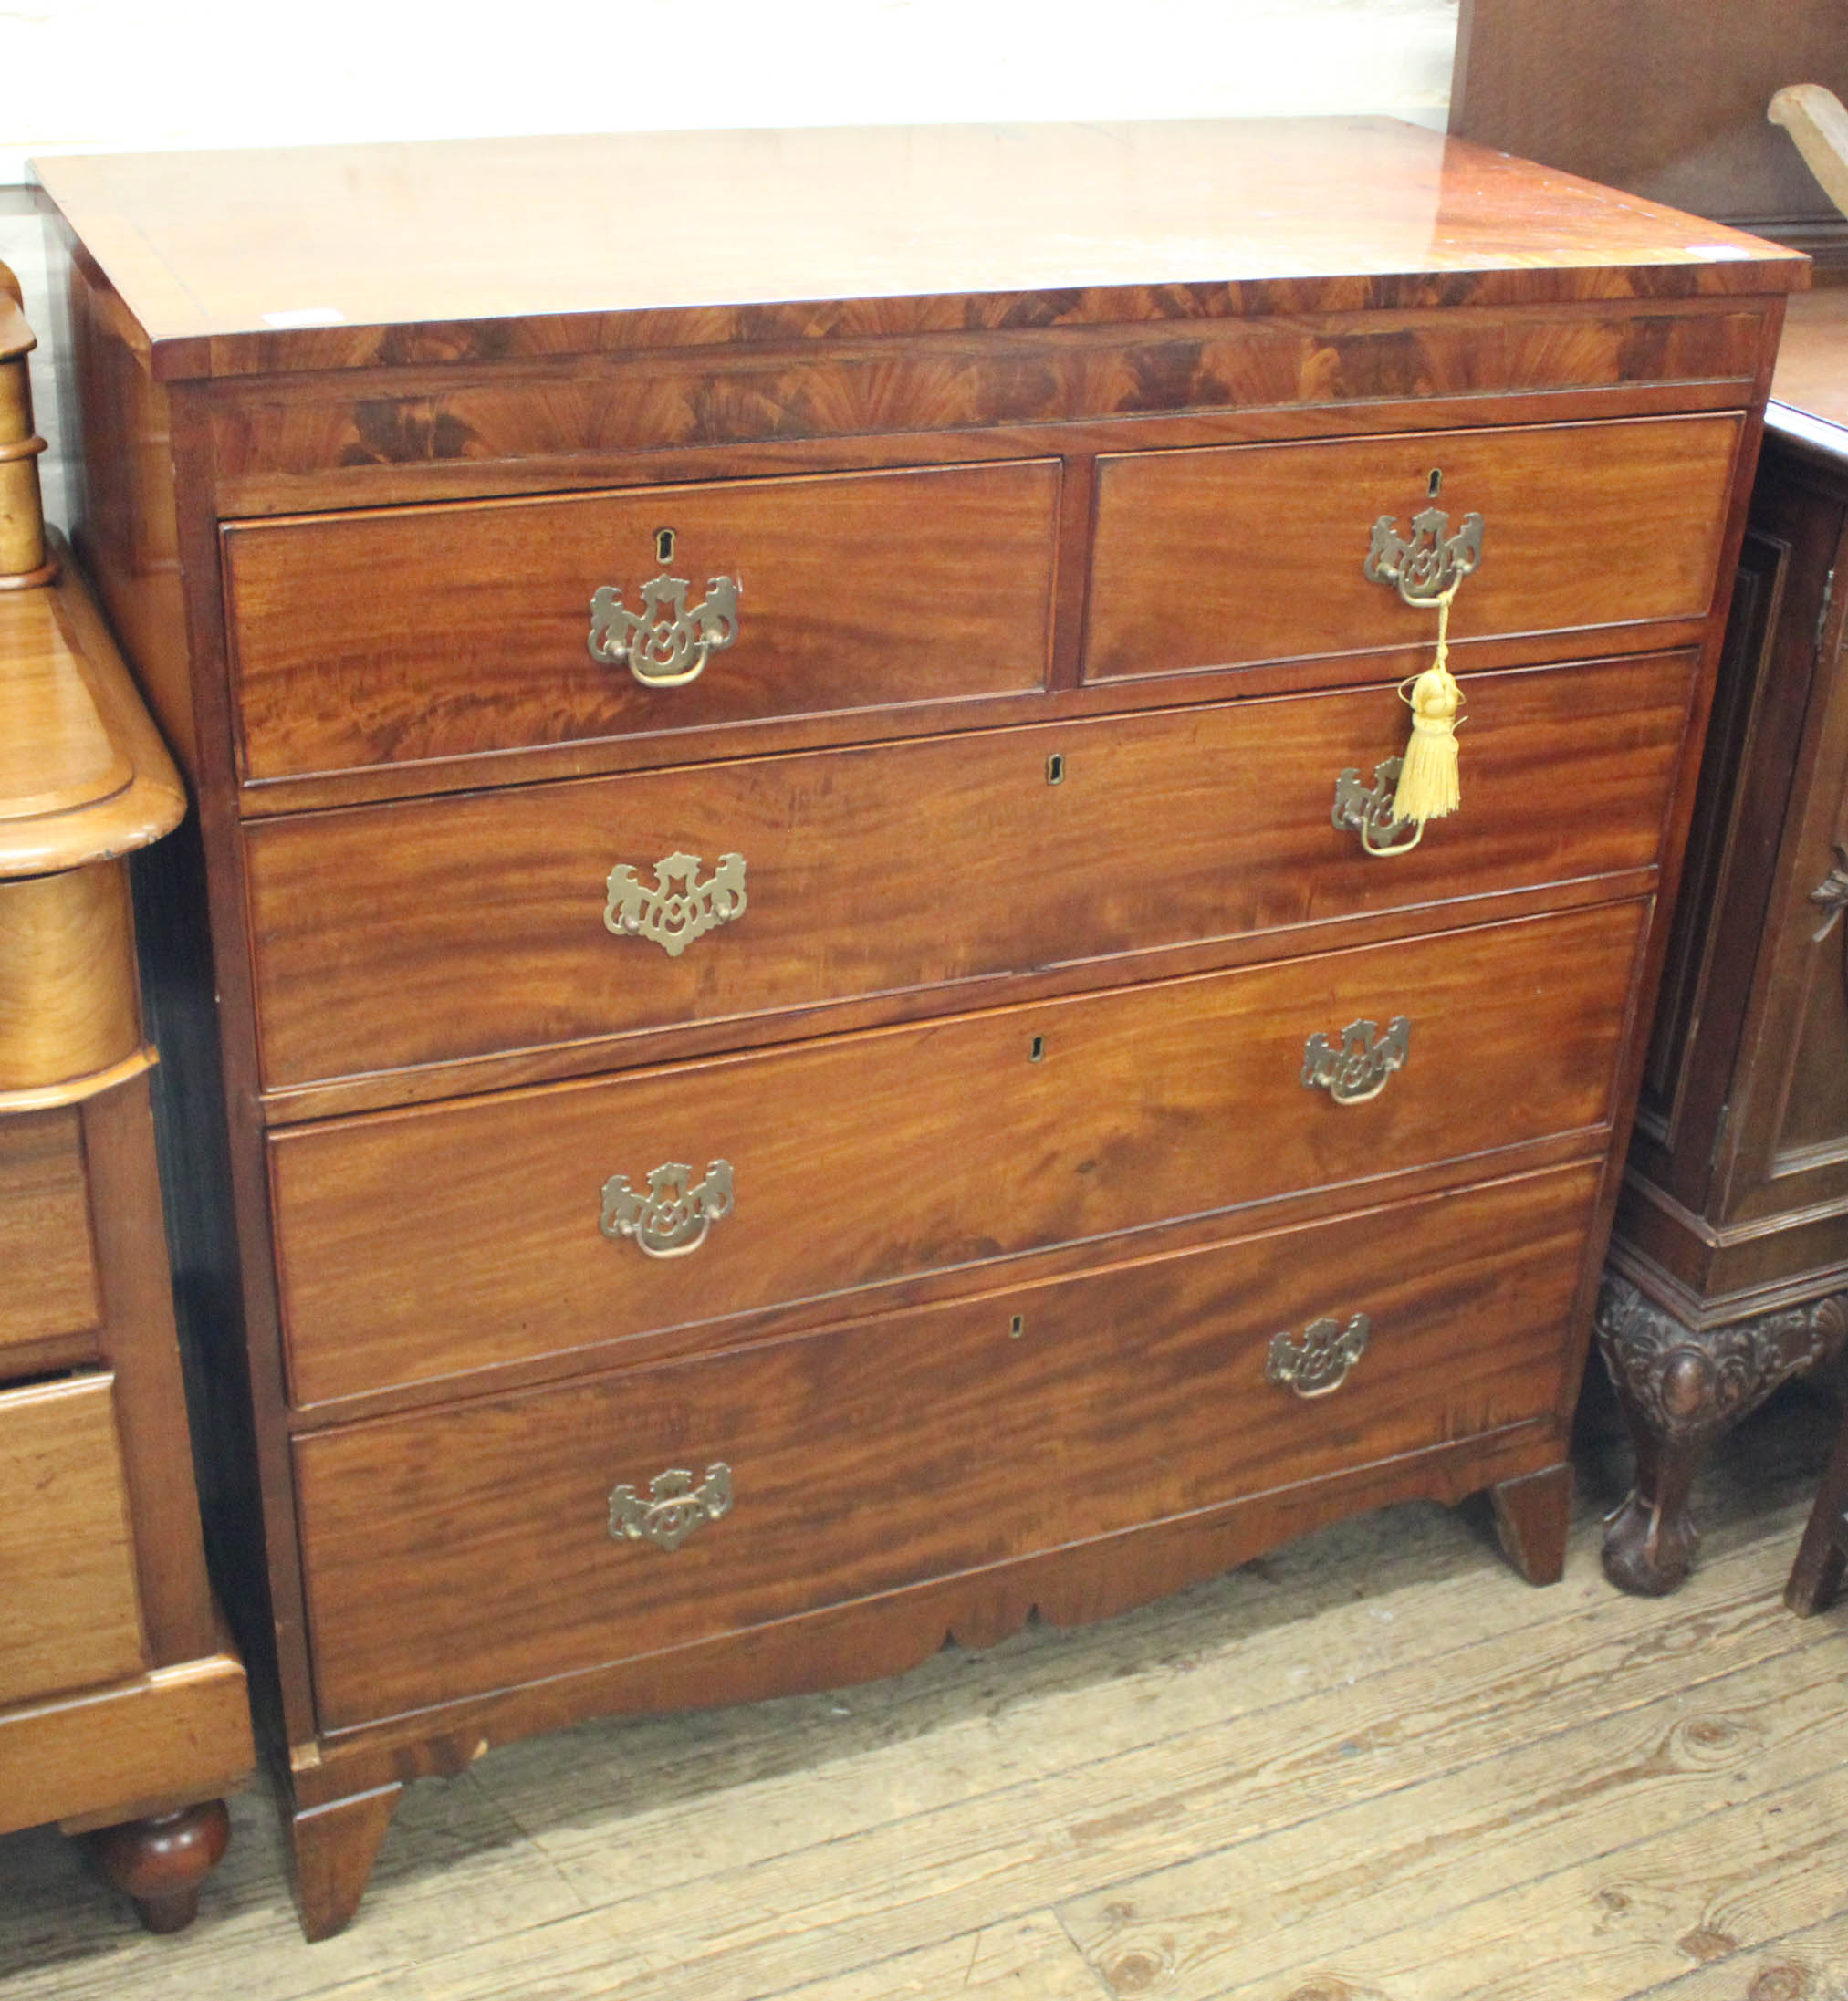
x=1729, y=1259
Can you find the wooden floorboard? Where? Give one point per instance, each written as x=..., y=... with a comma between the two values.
x=1374, y=1767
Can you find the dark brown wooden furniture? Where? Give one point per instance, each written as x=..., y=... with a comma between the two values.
x=1729, y=1262
x=903, y=1100
x=1822, y=1556
x=121, y=1703
x=1664, y=97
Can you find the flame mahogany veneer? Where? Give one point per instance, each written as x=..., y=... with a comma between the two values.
x=1045, y=463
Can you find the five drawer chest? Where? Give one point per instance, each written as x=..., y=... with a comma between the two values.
x=828, y=1030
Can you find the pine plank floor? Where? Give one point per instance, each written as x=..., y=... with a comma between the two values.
x=1374, y=1767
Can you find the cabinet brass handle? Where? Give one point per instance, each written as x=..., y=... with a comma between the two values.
x=1357, y=1069
x=675, y=1506
x=1369, y=813
x=668, y=642
x=673, y=1218
x=1320, y=1361
x=679, y=908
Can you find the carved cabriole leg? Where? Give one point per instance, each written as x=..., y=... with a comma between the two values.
x=1680, y=1388
x=1532, y=1515
x=334, y=1847
x=162, y=1861
x=1823, y=1556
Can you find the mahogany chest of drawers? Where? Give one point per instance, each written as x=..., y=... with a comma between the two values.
x=813, y=1053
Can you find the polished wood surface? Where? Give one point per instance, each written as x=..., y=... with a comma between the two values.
x=1810, y=378
x=397, y=954
x=1649, y=499
x=145, y=1744
x=52, y=1291
x=867, y=590
x=405, y=254
x=1145, y=843
x=69, y=1006
x=67, y=1545
x=840, y=1493
x=83, y=774
x=448, y=1239
x=1664, y=97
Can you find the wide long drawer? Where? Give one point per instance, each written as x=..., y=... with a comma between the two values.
x=427, y=932
x=417, y=1245
x=418, y=633
x=458, y=1551
x=1238, y=554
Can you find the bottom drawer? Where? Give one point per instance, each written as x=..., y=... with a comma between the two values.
x=454, y=1552
x=67, y=1549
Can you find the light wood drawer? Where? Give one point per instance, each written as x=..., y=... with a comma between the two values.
x=67, y=1550
x=426, y=931
x=454, y=1552
x=369, y=638
x=48, y=1283
x=1234, y=555
x=412, y=1246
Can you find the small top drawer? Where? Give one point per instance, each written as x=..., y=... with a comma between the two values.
x=422, y=632
x=52, y=1290
x=1239, y=554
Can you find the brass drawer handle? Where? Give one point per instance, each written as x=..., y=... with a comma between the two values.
x=679, y=908
x=672, y=1219
x=1370, y=814
x=675, y=1506
x=1319, y=1362
x=668, y=642
x=1359, y=1069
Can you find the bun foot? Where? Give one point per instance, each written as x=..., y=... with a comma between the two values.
x=161, y=1862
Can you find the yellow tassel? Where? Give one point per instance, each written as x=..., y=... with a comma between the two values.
x=1428, y=786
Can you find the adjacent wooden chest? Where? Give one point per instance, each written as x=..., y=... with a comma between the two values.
x=814, y=1052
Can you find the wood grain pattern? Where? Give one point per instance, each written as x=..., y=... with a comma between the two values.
x=66, y=1548
x=68, y=1005
x=170, y=1736
x=439, y=1241
x=499, y=248
x=552, y=419
x=1255, y=553
x=83, y=775
x=52, y=1287
x=867, y=591
x=906, y=868
x=1033, y=1442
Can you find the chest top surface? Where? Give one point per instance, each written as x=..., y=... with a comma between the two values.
x=235, y=263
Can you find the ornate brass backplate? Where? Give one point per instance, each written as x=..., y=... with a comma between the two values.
x=667, y=642
x=675, y=1506
x=1320, y=1361
x=1369, y=814
x=1831, y=895
x=679, y=908
x=673, y=1218
x=1359, y=1069
x=1430, y=562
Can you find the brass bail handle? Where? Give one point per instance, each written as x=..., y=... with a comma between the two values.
x=1428, y=568
x=24, y=564
x=665, y=642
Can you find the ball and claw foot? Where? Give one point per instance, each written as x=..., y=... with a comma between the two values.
x=1681, y=1387
x=161, y=1862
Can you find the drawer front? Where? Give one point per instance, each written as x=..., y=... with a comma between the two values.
x=1238, y=554
x=66, y=1552
x=426, y=931
x=455, y=1552
x=370, y=638
x=417, y=1245
x=51, y=1288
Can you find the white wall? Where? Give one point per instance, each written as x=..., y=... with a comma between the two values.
x=85, y=76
